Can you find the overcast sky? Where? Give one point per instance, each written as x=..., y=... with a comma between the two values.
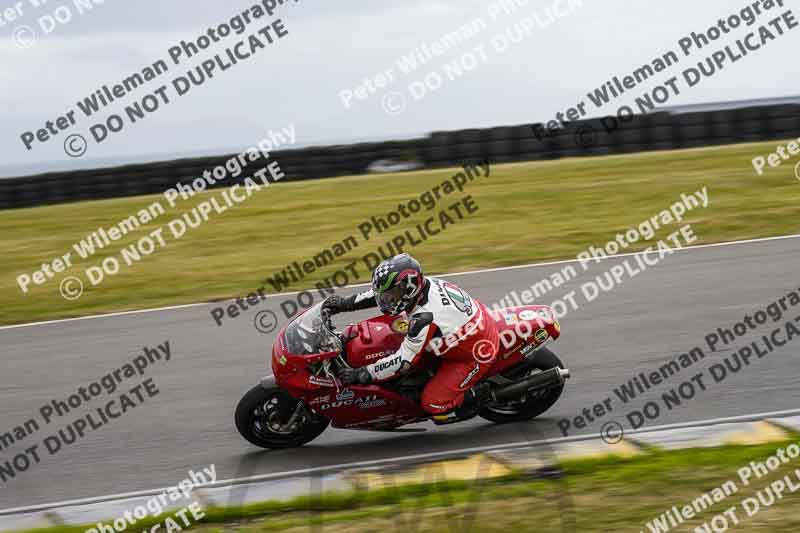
x=333, y=46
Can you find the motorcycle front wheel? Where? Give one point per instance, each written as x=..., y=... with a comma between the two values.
x=264, y=418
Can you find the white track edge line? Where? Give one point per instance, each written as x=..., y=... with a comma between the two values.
x=482, y=271
x=406, y=458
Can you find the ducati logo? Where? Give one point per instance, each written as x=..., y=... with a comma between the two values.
x=364, y=402
x=383, y=365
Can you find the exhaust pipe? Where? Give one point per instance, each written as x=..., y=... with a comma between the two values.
x=543, y=380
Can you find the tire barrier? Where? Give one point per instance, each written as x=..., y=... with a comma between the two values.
x=529, y=142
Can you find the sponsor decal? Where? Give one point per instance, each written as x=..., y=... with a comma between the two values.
x=363, y=402
x=376, y=355
x=282, y=360
x=510, y=318
x=442, y=296
x=345, y=394
x=541, y=337
x=557, y=325
x=380, y=402
x=322, y=382
x=527, y=350
x=530, y=314
x=320, y=399
x=383, y=365
x=400, y=325
x=460, y=299
x=470, y=376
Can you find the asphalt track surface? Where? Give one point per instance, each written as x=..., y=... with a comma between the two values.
x=641, y=324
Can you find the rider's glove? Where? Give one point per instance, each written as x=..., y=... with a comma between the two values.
x=336, y=304
x=355, y=376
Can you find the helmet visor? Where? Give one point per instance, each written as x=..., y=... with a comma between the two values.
x=390, y=299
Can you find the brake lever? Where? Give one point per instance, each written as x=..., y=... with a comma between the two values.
x=326, y=319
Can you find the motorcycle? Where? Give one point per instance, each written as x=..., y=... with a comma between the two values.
x=304, y=396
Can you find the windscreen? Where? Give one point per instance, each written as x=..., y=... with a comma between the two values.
x=307, y=334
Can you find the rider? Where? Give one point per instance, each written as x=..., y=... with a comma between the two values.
x=442, y=319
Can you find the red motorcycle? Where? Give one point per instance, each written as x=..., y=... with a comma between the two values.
x=297, y=403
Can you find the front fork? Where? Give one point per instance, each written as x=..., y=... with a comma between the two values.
x=298, y=410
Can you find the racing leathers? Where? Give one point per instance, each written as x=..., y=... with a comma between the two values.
x=448, y=323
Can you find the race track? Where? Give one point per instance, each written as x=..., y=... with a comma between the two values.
x=641, y=324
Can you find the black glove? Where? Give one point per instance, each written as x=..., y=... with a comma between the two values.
x=355, y=376
x=336, y=304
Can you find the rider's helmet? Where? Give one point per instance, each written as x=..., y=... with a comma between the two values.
x=397, y=284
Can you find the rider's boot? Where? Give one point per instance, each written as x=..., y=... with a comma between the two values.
x=469, y=408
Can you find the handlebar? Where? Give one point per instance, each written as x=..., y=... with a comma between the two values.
x=326, y=316
x=327, y=323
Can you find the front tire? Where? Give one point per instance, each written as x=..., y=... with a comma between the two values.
x=262, y=415
x=532, y=405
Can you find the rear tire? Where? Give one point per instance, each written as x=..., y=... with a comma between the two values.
x=533, y=405
x=262, y=411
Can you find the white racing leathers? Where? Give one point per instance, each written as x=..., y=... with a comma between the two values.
x=448, y=323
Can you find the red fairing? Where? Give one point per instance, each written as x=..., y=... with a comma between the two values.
x=366, y=407
x=375, y=339
x=521, y=331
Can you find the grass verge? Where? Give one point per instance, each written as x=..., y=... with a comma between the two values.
x=526, y=212
x=605, y=494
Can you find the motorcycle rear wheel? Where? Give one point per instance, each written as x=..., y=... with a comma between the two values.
x=262, y=414
x=532, y=405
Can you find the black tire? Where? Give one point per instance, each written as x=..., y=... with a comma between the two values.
x=260, y=406
x=532, y=406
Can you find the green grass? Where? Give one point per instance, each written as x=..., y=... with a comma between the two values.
x=527, y=212
x=606, y=494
